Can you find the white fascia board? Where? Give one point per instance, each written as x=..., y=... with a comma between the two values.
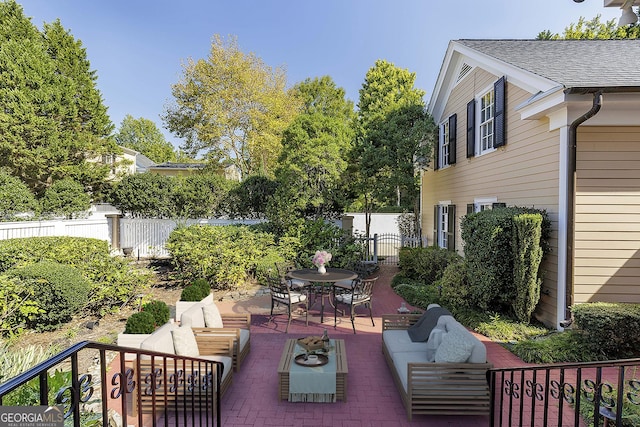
x=457, y=54
x=613, y=3
x=541, y=104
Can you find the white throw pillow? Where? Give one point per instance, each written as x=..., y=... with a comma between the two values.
x=212, y=318
x=184, y=342
x=434, y=341
x=456, y=347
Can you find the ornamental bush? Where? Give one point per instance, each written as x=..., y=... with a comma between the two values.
x=114, y=280
x=527, y=256
x=426, y=264
x=198, y=290
x=611, y=328
x=60, y=291
x=159, y=310
x=489, y=254
x=141, y=322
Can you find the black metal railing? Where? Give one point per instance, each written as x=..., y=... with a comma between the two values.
x=582, y=394
x=106, y=385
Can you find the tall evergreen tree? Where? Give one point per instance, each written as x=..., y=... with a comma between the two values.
x=52, y=119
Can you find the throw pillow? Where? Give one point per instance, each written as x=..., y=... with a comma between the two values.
x=419, y=332
x=184, y=342
x=212, y=318
x=434, y=341
x=456, y=347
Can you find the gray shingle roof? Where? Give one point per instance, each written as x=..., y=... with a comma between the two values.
x=572, y=63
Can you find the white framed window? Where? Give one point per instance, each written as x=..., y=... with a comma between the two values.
x=483, y=204
x=443, y=151
x=486, y=114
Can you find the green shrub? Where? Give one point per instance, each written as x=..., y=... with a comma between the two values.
x=65, y=197
x=60, y=291
x=203, y=286
x=115, y=281
x=426, y=264
x=15, y=196
x=560, y=347
x=141, y=322
x=192, y=293
x=17, y=306
x=527, y=256
x=488, y=238
x=159, y=310
x=611, y=328
x=453, y=287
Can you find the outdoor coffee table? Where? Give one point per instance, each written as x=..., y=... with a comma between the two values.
x=338, y=353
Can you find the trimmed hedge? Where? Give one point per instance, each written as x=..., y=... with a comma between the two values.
x=159, y=310
x=489, y=254
x=141, y=322
x=426, y=264
x=60, y=291
x=611, y=328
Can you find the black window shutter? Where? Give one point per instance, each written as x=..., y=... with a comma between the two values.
x=451, y=228
x=471, y=128
x=436, y=150
x=453, y=130
x=435, y=225
x=498, y=205
x=499, y=90
x=470, y=208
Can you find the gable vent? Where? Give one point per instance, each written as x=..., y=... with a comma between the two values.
x=463, y=71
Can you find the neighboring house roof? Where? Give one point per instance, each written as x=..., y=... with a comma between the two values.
x=170, y=166
x=143, y=163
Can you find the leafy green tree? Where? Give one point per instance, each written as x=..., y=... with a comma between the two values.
x=314, y=157
x=394, y=129
x=15, y=196
x=146, y=195
x=52, y=119
x=232, y=106
x=143, y=136
x=249, y=198
x=65, y=197
x=200, y=195
x=593, y=29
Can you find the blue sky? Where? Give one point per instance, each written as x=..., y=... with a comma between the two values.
x=137, y=47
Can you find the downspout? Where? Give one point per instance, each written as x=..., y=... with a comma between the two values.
x=571, y=187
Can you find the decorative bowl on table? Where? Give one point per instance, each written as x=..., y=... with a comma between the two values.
x=311, y=343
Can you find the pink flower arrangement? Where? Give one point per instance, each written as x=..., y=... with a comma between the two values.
x=321, y=258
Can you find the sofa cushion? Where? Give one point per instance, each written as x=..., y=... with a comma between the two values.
x=399, y=340
x=212, y=317
x=456, y=347
x=193, y=316
x=227, y=362
x=434, y=341
x=160, y=340
x=184, y=342
x=401, y=360
x=421, y=330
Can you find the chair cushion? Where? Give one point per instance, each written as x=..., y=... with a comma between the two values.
x=184, y=342
x=193, y=317
x=160, y=340
x=456, y=347
x=401, y=360
x=398, y=340
x=212, y=317
x=245, y=334
x=434, y=341
x=227, y=362
x=296, y=297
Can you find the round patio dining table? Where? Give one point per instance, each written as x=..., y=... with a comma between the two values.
x=332, y=276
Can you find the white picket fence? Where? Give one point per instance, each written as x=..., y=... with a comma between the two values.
x=96, y=228
x=147, y=237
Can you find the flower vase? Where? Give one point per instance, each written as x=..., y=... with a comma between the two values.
x=321, y=269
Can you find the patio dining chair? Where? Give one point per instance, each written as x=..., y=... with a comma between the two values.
x=283, y=269
x=283, y=294
x=360, y=293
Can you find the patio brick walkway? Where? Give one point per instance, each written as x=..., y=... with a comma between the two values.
x=372, y=397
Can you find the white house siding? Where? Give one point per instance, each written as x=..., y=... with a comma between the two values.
x=607, y=225
x=524, y=173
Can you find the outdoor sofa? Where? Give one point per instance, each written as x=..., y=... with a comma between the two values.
x=444, y=375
